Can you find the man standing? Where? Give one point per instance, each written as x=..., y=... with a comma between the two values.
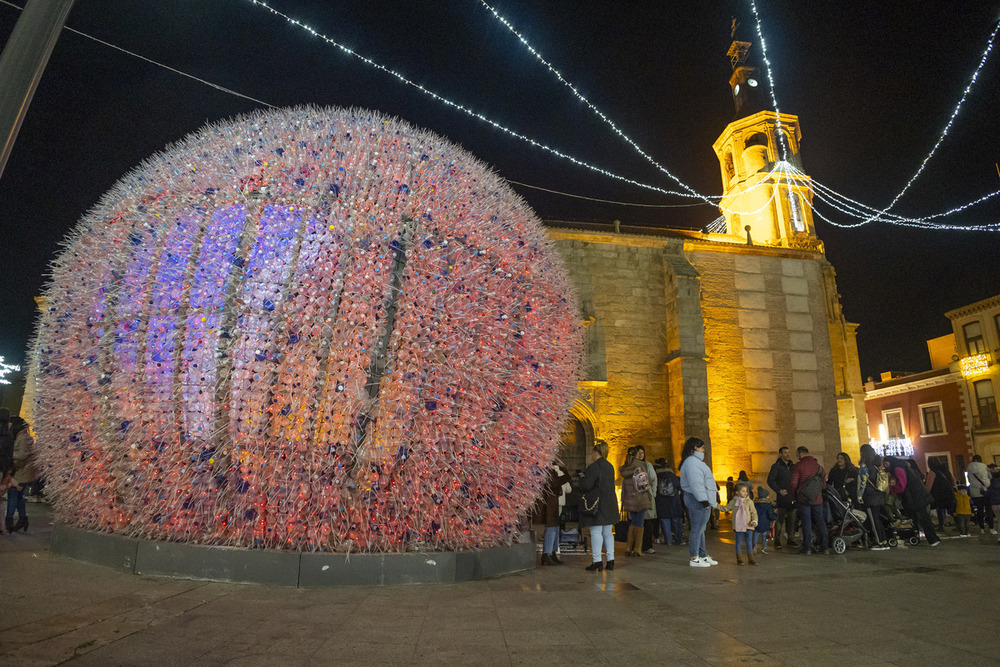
x=780, y=479
x=979, y=481
x=808, y=482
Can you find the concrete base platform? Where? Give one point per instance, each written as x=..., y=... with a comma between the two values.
x=283, y=568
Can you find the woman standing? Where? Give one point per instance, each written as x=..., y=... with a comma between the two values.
x=24, y=474
x=635, y=498
x=650, y=522
x=906, y=484
x=552, y=498
x=844, y=477
x=599, y=506
x=870, y=497
x=699, y=498
x=942, y=487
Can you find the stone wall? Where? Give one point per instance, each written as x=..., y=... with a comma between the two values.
x=621, y=280
x=770, y=369
x=721, y=341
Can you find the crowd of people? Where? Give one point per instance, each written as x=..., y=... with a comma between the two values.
x=887, y=498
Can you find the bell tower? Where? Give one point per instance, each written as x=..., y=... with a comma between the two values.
x=765, y=196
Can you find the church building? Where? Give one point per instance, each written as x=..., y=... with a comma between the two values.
x=734, y=335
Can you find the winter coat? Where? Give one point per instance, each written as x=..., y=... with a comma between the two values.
x=868, y=492
x=993, y=492
x=979, y=478
x=803, y=470
x=744, y=513
x=651, y=474
x=600, y=475
x=696, y=479
x=6, y=449
x=634, y=500
x=669, y=507
x=24, y=464
x=765, y=515
x=942, y=488
x=779, y=479
x=963, y=506
x=844, y=480
x=553, y=491
x=910, y=489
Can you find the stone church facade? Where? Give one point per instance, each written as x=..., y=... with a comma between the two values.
x=735, y=337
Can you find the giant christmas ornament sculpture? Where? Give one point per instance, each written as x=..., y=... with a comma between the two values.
x=305, y=329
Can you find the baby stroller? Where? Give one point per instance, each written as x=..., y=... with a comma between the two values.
x=899, y=528
x=848, y=524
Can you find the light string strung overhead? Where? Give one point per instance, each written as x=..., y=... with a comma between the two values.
x=461, y=107
x=947, y=127
x=856, y=209
x=712, y=200
x=600, y=114
x=912, y=222
x=770, y=82
x=881, y=215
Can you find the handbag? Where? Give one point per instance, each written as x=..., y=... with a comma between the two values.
x=621, y=527
x=590, y=507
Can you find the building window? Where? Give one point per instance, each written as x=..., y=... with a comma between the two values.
x=986, y=403
x=974, y=342
x=893, y=422
x=795, y=209
x=931, y=419
x=727, y=164
x=996, y=321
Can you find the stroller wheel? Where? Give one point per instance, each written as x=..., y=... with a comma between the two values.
x=913, y=541
x=839, y=545
x=893, y=542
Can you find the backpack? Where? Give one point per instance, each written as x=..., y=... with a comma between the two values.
x=810, y=489
x=666, y=485
x=882, y=480
x=641, y=480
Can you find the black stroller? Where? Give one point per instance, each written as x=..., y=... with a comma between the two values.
x=848, y=526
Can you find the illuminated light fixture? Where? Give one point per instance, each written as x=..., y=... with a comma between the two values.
x=893, y=447
x=977, y=364
x=6, y=369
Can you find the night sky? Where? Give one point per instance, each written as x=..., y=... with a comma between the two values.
x=873, y=86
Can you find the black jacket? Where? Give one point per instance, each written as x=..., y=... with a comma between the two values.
x=780, y=478
x=601, y=475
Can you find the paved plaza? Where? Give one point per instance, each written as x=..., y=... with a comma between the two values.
x=913, y=606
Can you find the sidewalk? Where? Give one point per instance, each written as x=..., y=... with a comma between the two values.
x=912, y=606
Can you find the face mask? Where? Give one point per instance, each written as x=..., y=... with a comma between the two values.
x=700, y=456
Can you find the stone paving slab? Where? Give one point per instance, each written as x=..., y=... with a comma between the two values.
x=913, y=606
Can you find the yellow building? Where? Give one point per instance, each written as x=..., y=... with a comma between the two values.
x=737, y=336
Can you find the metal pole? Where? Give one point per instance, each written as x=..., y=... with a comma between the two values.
x=23, y=61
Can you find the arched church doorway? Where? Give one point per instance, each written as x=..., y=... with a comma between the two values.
x=576, y=441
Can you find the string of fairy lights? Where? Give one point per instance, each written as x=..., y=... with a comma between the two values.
x=947, y=127
x=863, y=213
x=829, y=196
x=781, y=168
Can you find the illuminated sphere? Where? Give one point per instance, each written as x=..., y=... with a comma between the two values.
x=314, y=329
